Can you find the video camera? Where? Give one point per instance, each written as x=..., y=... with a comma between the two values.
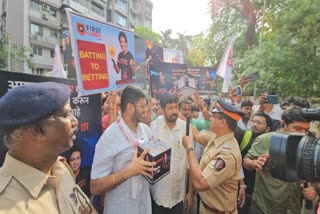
x=295, y=156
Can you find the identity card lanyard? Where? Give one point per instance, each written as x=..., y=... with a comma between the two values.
x=127, y=136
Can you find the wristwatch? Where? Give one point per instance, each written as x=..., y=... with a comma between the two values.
x=189, y=150
x=243, y=186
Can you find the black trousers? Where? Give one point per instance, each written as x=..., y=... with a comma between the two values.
x=246, y=206
x=177, y=209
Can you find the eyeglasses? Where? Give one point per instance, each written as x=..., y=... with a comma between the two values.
x=257, y=122
x=142, y=106
x=85, y=204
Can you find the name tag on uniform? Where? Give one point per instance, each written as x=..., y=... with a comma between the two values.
x=226, y=149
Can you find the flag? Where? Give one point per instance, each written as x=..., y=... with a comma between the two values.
x=225, y=66
x=57, y=70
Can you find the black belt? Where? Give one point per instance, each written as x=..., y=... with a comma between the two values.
x=216, y=211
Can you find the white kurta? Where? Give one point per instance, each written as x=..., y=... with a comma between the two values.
x=171, y=189
x=113, y=152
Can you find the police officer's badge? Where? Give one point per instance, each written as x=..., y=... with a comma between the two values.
x=219, y=164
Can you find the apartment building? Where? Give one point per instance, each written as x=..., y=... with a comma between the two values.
x=38, y=24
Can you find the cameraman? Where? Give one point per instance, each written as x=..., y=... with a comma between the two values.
x=270, y=194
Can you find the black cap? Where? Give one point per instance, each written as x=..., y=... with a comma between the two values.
x=31, y=102
x=228, y=110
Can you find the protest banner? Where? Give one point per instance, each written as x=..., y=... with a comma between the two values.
x=164, y=77
x=205, y=79
x=172, y=56
x=103, y=53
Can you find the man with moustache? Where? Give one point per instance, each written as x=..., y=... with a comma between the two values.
x=245, y=122
x=169, y=193
x=37, y=125
x=116, y=169
x=185, y=107
x=216, y=177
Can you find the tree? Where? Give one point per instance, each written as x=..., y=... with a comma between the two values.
x=182, y=42
x=288, y=57
x=18, y=54
x=166, y=39
x=146, y=33
x=197, y=53
x=248, y=10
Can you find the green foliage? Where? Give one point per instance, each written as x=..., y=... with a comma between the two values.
x=288, y=60
x=181, y=43
x=166, y=40
x=197, y=51
x=146, y=33
x=18, y=54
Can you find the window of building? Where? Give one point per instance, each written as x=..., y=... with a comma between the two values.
x=38, y=71
x=122, y=5
x=4, y=4
x=52, y=53
x=36, y=29
x=53, y=12
x=37, y=51
x=35, y=5
x=97, y=9
x=120, y=20
x=54, y=33
x=82, y=2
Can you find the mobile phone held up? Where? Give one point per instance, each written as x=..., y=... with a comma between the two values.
x=253, y=76
x=238, y=90
x=273, y=99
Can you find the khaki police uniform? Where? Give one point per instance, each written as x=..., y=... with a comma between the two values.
x=24, y=189
x=220, y=165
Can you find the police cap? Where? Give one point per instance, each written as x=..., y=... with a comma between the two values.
x=32, y=102
x=228, y=110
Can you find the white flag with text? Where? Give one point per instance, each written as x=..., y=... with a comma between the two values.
x=225, y=66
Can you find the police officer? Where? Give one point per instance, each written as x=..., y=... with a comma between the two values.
x=217, y=176
x=37, y=125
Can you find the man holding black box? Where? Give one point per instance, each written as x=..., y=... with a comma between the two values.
x=169, y=193
x=217, y=176
x=116, y=169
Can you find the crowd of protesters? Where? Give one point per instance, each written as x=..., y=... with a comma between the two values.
x=222, y=166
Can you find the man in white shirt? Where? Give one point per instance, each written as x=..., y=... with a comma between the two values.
x=169, y=193
x=116, y=170
x=245, y=122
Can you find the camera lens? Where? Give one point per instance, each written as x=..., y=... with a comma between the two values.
x=283, y=148
x=308, y=159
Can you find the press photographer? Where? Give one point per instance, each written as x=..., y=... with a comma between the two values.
x=272, y=195
x=296, y=156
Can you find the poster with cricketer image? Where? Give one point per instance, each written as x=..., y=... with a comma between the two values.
x=104, y=54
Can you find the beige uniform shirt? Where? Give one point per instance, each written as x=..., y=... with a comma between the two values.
x=220, y=165
x=24, y=189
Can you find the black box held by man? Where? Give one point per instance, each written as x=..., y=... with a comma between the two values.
x=159, y=153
